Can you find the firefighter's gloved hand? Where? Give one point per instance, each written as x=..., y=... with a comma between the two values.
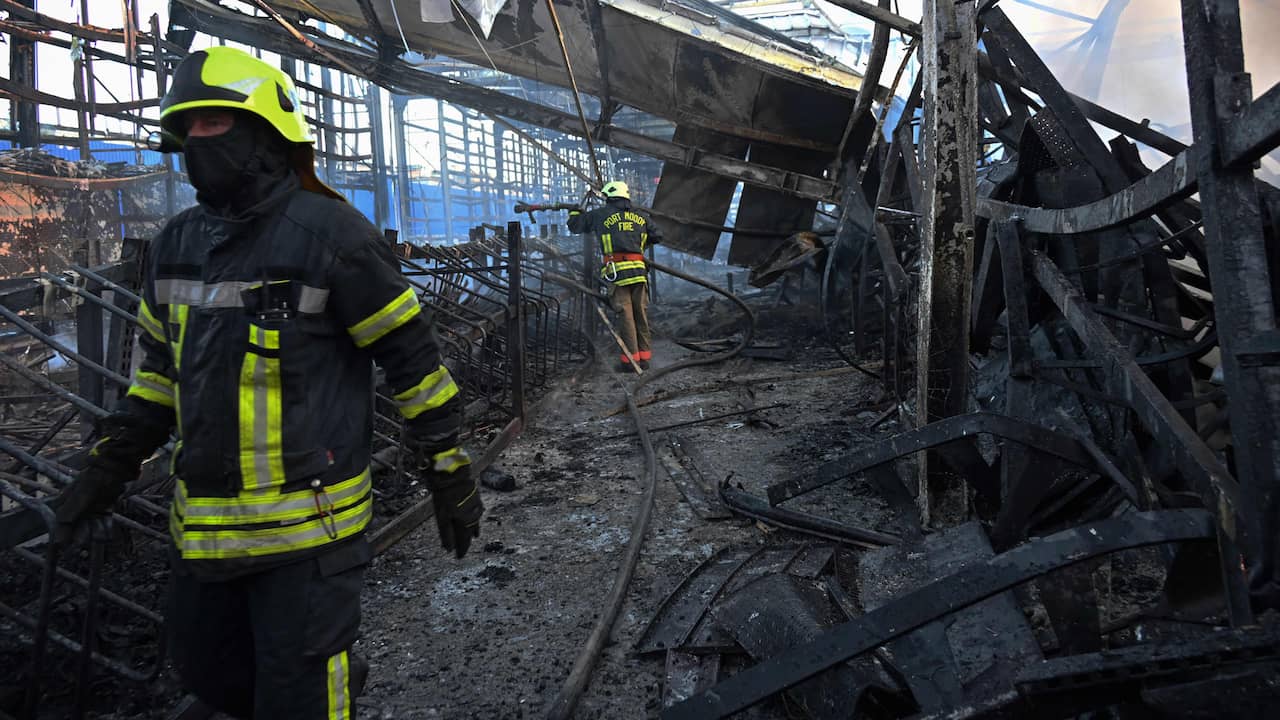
x=92, y=494
x=456, y=498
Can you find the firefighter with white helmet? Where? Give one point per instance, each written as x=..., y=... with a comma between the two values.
x=624, y=232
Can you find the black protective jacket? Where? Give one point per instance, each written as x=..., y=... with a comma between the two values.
x=624, y=233
x=258, y=339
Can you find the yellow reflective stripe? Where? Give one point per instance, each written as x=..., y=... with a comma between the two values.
x=630, y=281
x=241, y=543
x=450, y=460
x=644, y=238
x=147, y=321
x=339, y=699
x=630, y=265
x=392, y=315
x=435, y=390
x=178, y=315
x=261, y=445
x=175, y=523
x=152, y=387
x=606, y=240
x=269, y=505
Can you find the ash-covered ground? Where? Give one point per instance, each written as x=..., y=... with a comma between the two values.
x=495, y=634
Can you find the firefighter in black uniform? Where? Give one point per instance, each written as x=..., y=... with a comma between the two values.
x=262, y=309
x=624, y=233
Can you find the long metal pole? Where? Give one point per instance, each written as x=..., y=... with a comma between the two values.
x=573, y=83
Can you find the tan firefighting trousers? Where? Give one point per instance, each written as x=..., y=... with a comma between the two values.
x=632, y=303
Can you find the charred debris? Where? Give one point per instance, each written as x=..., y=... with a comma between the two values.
x=1070, y=317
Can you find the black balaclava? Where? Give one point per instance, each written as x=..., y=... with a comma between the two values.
x=233, y=173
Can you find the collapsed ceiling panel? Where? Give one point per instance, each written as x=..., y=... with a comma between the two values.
x=687, y=61
x=696, y=195
x=761, y=208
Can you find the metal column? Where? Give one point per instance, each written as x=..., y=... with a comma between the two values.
x=515, y=320
x=381, y=203
x=951, y=102
x=403, y=187
x=22, y=70
x=1220, y=92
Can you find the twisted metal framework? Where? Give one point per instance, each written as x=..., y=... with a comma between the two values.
x=507, y=331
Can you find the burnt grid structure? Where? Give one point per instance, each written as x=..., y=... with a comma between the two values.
x=1049, y=314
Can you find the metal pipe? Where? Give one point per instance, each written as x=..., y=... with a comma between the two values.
x=96, y=300
x=106, y=283
x=573, y=84
x=51, y=386
x=35, y=332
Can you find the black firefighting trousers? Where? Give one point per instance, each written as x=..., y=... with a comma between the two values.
x=272, y=645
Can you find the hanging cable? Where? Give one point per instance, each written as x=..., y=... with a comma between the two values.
x=573, y=84
x=297, y=34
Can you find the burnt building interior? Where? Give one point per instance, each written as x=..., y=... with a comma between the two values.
x=943, y=419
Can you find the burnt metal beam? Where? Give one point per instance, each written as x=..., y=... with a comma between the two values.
x=880, y=15
x=1125, y=379
x=935, y=600
x=22, y=67
x=1221, y=95
x=1173, y=182
x=403, y=79
x=18, y=91
x=745, y=503
x=950, y=58
x=1252, y=131
x=1042, y=439
x=1148, y=660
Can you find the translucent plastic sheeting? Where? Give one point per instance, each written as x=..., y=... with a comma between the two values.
x=1126, y=54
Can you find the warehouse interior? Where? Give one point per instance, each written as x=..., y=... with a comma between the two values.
x=942, y=422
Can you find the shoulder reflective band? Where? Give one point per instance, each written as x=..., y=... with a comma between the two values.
x=229, y=543
x=435, y=390
x=339, y=705
x=268, y=506
x=392, y=315
x=176, y=291
x=152, y=387
x=148, y=322
x=261, y=446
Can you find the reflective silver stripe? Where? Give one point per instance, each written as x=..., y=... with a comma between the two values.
x=148, y=322
x=268, y=505
x=312, y=300
x=450, y=460
x=217, y=544
x=173, y=291
x=153, y=387
x=393, y=315
x=339, y=706
x=424, y=395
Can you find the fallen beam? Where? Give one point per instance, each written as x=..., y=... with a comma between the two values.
x=745, y=503
x=1174, y=181
x=880, y=15
x=1036, y=437
x=931, y=602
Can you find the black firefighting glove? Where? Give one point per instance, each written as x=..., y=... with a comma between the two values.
x=114, y=461
x=447, y=473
